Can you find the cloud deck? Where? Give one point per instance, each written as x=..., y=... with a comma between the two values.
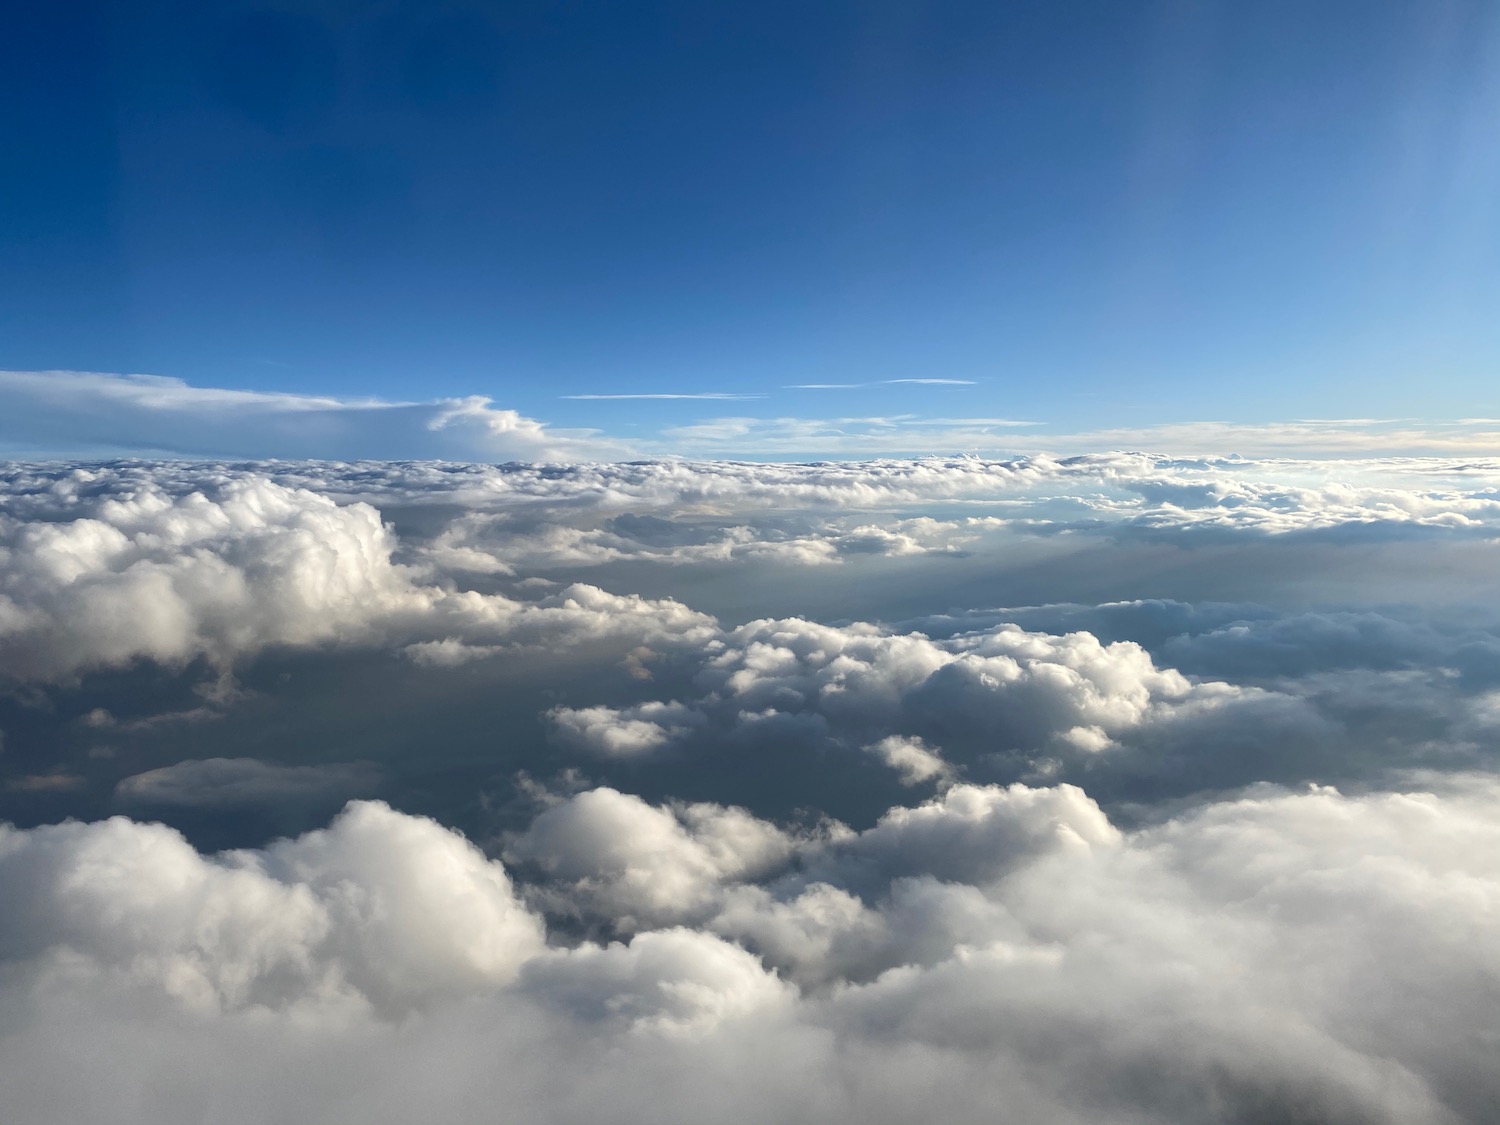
x=1093, y=789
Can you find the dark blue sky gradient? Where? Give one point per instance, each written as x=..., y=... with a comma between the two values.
x=1095, y=211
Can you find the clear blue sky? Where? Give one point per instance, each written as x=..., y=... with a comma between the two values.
x=1094, y=213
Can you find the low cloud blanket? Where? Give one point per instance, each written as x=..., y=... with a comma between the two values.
x=1108, y=788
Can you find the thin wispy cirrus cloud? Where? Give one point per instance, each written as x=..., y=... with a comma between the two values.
x=880, y=383
x=661, y=396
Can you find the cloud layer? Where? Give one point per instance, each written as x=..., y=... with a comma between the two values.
x=1111, y=788
x=997, y=942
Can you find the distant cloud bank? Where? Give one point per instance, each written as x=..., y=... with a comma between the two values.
x=86, y=414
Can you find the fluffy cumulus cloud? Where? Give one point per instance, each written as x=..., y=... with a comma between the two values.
x=1283, y=956
x=615, y=856
x=1013, y=689
x=247, y=563
x=624, y=732
x=1102, y=789
x=1001, y=702
x=175, y=577
x=913, y=759
x=379, y=912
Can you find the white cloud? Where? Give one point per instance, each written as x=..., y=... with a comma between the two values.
x=678, y=981
x=148, y=574
x=916, y=434
x=506, y=544
x=90, y=413
x=172, y=578
x=76, y=413
x=110, y=566
x=1060, y=890
x=613, y=855
x=1103, y=491
x=970, y=834
x=623, y=732
x=379, y=909
x=1280, y=955
x=912, y=758
x=450, y=652
x=1001, y=690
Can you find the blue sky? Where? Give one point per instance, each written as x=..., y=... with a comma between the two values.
x=1084, y=216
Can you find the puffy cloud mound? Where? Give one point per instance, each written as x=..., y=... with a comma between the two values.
x=1279, y=957
x=913, y=759
x=1002, y=699
x=379, y=909
x=677, y=981
x=636, y=865
x=975, y=834
x=623, y=732
x=1023, y=689
x=248, y=563
x=172, y=578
